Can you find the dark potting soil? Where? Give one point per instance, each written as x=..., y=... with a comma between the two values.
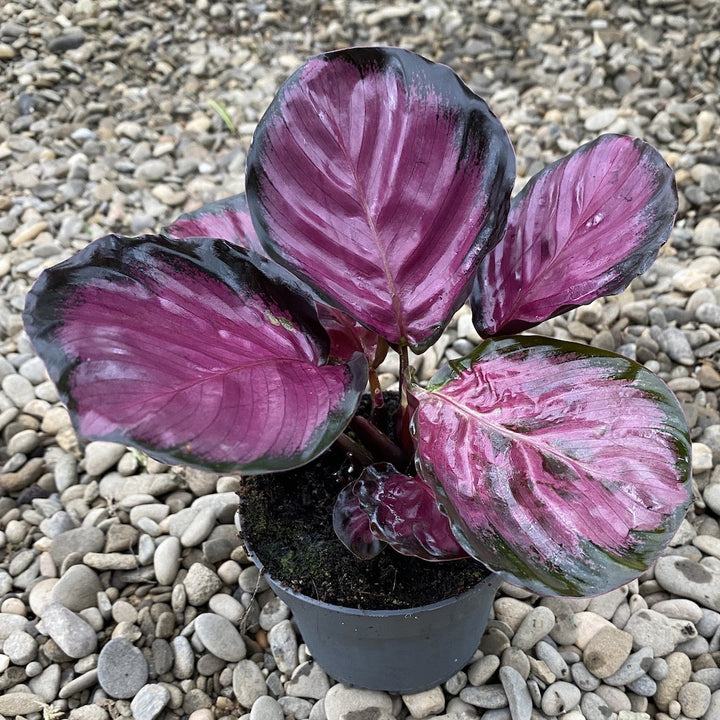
x=287, y=522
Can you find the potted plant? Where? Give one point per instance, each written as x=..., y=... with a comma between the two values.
x=378, y=201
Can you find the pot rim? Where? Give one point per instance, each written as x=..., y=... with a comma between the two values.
x=491, y=579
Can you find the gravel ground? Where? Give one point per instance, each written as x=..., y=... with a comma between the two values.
x=121, y=585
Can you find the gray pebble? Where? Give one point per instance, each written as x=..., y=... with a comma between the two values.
x=297, y=707
x=284, y=646
x=583, y=678
x=676, y=345
x=636, y=665
x=19, y=389
x=518, y=695
x=536, y=625
x=483, y=669
x=166, y=560
x=219, y=636
x=122, y=669
x=267, y=708
x=149, y=702
x=20, y=647
x=184, y=658
x=486, y=696
x=77, y=589
x=694, y=699
x=560, y=697
x=309, y=680
x=199, y=528
x=606, y=651
x=653, y=630
x=594, y=707
x=248, y=683
x=552, y=658
x=689, y=579
x=46, y=684
x=228, y=607
x=101, y=456
x=71, y=633
x=273, y=612
x=644, y=686
x=201, y=583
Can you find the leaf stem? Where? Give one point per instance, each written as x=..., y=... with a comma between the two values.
x=351, y=447
x=403, y=416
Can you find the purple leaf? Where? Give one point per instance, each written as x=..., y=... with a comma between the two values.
x=582, y=228
x=230, y=220
x=352, y=525
x=187, y=351
x=404, y=513
x=227, y=219
x=563, y=467
x=381, y=180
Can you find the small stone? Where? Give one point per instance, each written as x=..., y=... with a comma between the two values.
x=267, y=708
x=677, y=346
x=679, y=669
x=23, y=442
x=422, y=704
x=19, y=389
x=228, y=607
x=66, y=41
x=183, y=658
x=149, y=702
x=518, y=695
x=199, y=528
x=343, y=702
x=651, y=629
x=122, y=668
x=309, y=680
x=601, y=119
x=489, y=697
x=702, y=457
x=536, y=625
x=483, y=669
x=101, y=456
x=637, y=664
x=201, y=583
x=248, y=683
x=77, y=589
x=20, y=703
x=689, y=579
x=273, y=612
x=71, y=633
x=166, y=560
x=606, y=651
x=20, y=647
x=219, y=636
x=694, y=699
x=284, y=647
x=559, y=698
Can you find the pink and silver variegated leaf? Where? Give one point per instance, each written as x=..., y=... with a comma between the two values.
x=404, y=513
x=227, y=219
x=186, y=350
x=352, y=525
x=582, y=228
x=564, y=468
x=381, y=180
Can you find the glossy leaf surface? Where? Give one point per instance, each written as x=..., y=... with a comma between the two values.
x=352, y=525
x=381, y=180
x=562, y=467
x=582, y=228
x=227, y=219
x=187, y=351
x=404, y=513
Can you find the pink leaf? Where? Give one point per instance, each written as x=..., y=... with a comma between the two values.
x=188, y=351
x=582, y=228
x=562, y=467
x=381, y=180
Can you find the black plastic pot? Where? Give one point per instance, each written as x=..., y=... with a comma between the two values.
x=399, y=651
